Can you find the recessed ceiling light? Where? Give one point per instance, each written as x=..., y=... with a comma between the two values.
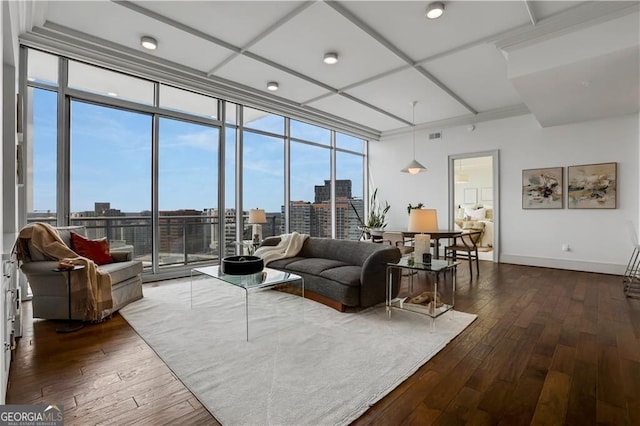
x=330, y=58
x=435, y=10
x=149, y=43
x=273, y=86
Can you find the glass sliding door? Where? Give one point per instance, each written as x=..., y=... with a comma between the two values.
x=110, y=176
x=187, y=193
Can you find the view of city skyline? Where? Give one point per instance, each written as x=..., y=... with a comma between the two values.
x=111, y=150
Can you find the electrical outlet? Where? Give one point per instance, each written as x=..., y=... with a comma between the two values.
x=565, y=247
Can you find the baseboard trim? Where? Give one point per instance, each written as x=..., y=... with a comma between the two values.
x=573, y=265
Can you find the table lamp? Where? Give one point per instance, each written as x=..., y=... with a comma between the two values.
x=422, y=220
x=256, y=218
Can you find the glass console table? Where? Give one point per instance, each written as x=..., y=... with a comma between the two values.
x=265, y=280
x=433, y=298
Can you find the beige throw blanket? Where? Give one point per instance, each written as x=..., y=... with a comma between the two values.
x=289, y=246
x=90, y=288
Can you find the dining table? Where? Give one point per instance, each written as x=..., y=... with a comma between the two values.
x=436, y=236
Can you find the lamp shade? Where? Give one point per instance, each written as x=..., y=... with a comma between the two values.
x=423, y=220
x=414, y=168
x=257, y=216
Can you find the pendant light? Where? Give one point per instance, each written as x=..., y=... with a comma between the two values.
x=461, y=177
x=414, y=167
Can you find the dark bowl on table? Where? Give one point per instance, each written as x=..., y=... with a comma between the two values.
x=241, y=265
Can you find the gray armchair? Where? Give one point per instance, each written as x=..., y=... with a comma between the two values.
x=49, y=287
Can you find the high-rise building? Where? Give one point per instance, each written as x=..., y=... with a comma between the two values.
x=323, y=192
x=300, y=214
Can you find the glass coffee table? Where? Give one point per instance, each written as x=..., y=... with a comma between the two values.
x=434, y=298
x=266, y=280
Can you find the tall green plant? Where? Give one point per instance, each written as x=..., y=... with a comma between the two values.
x=377, y=212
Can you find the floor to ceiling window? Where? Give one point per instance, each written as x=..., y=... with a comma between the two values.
x=110, y=176
x=187, y=193
x=41, y=145
x=310, y=180
x=263, y=170
x=126, y=131
x=350, y=166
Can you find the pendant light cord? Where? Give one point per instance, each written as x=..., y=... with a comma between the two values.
x=414, y=128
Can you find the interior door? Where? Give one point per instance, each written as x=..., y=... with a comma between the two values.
x=474, y=198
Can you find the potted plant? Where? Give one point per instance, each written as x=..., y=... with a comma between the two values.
x=377, y=219
x=411, y=207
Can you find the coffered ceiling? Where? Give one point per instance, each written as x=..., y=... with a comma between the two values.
x=564, y=61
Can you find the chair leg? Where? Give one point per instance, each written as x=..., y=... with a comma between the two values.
x=477, y=263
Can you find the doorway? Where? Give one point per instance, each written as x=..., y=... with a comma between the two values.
x=474, y=198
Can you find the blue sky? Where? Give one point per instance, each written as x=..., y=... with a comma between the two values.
x=111, y=161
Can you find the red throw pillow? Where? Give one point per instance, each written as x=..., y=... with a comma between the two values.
x=96, y=250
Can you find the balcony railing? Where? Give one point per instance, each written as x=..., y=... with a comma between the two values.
x=183, y=239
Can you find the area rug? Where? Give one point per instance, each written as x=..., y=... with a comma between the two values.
x=305, y=363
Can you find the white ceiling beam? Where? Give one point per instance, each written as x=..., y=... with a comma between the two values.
x=577, y=17
x=463, y=120
x=532, y=15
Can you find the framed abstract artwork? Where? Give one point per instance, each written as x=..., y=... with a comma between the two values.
x=592, y=186
x=542, y=188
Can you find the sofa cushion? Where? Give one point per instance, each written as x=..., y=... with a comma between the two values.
x=96, y=250
x=314, y=266
x=283, y=263
x=121, y=271
x=65, y=233
x=348, y=275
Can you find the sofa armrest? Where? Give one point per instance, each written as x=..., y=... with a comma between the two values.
x=373, y=277
x=121, y=256
x=40, y=267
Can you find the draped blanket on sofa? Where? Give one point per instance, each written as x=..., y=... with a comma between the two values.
x=90, y=287
x=288, y=246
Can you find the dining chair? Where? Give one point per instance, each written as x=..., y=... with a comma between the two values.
x=465, y=246
x=396, y=239
x=632, y=273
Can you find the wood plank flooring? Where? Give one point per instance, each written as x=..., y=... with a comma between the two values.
x=549, y=347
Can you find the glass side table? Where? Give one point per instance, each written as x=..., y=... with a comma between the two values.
x=433, y=298
x=71, y=325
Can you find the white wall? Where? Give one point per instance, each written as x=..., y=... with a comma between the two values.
x=599, y=239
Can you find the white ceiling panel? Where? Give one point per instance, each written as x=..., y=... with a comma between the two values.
x=395, y=93
x=350, y=110
x=484, y=85
x=301, y=44
x=378, y=42
x=126, y=27
x=403, y=23
x=256, y=75
x=235, y=22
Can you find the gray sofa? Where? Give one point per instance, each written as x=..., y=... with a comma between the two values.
x=49, y=288
x=341, y=273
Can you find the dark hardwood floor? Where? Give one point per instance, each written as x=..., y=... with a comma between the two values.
x=549, y=347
